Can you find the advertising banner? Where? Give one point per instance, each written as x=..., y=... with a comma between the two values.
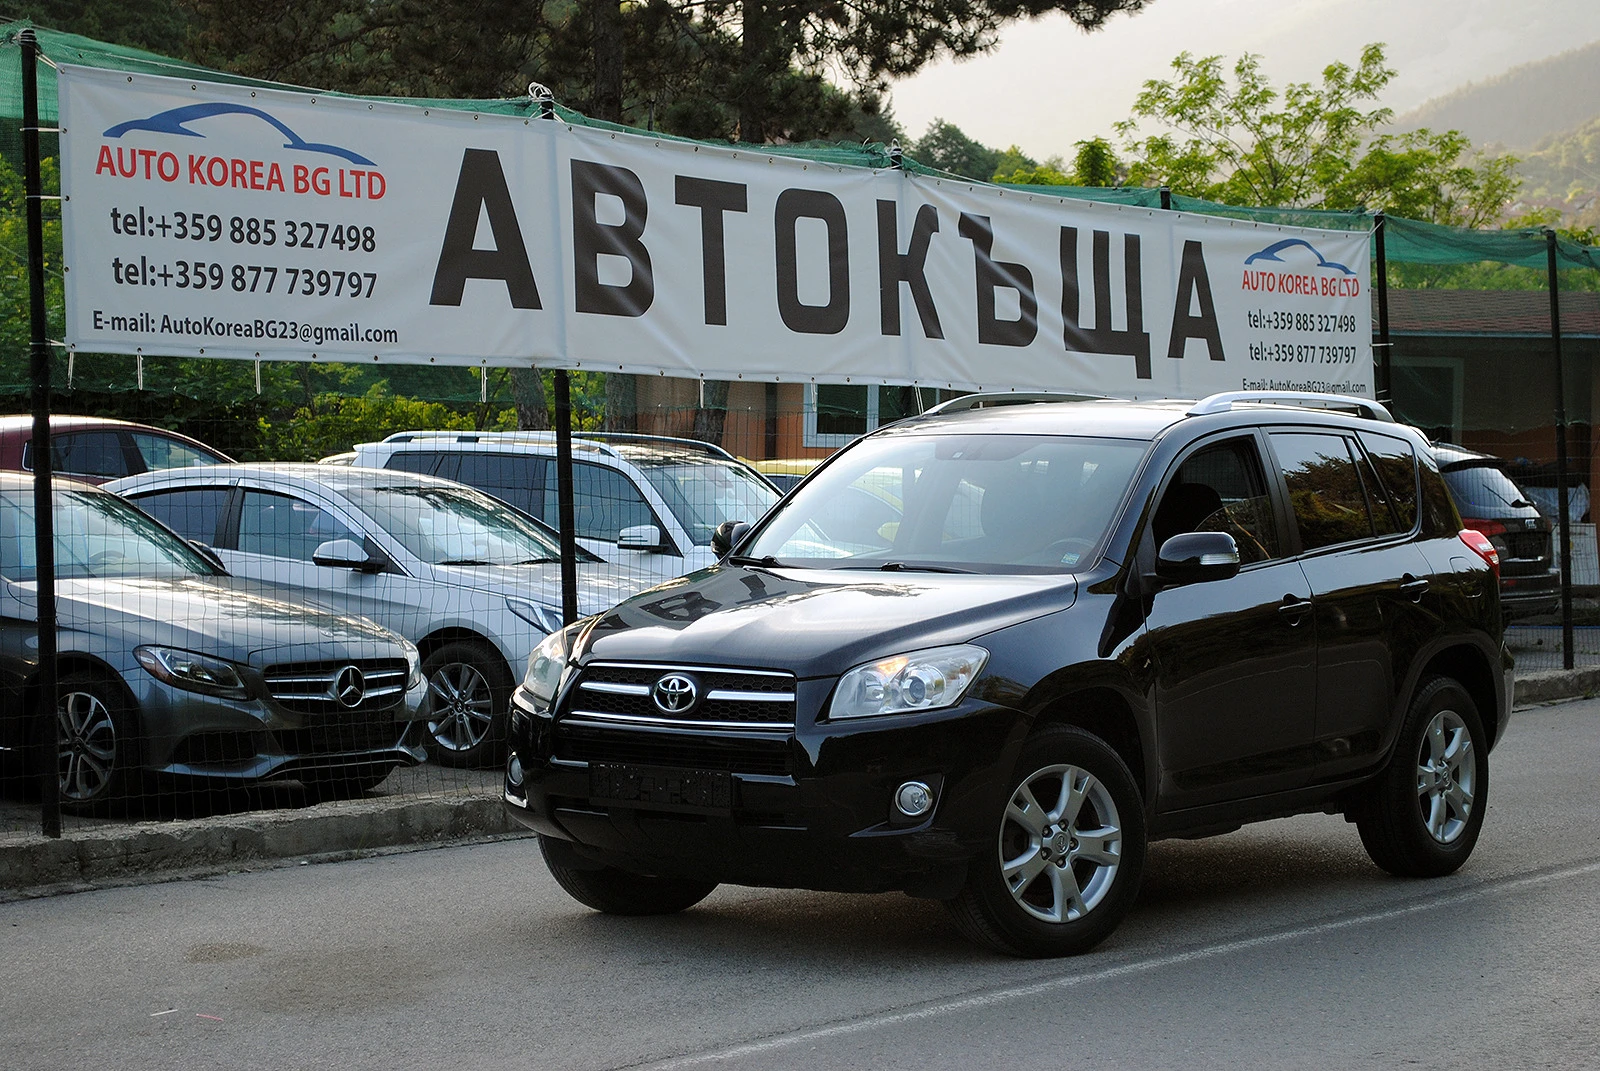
x=223, y=221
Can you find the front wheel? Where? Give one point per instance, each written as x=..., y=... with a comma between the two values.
x=1427, y=805
x=619, y=892
x=94, y=744
x=1068, y=852
x=468, y=692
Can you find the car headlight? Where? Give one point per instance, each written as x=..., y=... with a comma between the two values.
x=413, y=664
x=545, y=666
x=544, y=618
x=919, y=680
x=192, y=672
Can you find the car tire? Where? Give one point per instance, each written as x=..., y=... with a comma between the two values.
x=469, y=689
x=95, y=745
x=1427, y=806
x=619, y=892
x=1069, y=851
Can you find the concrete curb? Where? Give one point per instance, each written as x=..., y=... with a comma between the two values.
x=33, y=865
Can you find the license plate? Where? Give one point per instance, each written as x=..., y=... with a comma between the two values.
x=662, y=786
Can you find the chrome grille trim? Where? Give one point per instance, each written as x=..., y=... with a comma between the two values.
x=667, y=666
x=615, y=689
x=595, y=719
x=751, y=697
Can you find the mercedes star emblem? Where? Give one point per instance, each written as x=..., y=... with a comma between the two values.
x=349, y=687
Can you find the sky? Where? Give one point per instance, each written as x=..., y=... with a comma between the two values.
x=1048, y=84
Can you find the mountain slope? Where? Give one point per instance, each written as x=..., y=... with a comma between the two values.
x=1521, y=107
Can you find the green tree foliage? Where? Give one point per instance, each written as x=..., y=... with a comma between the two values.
x=946, y=147
x=1094, y=164
x=1241, y=140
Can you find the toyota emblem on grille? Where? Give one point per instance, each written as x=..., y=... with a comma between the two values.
x=675, y=693
x=349, y=687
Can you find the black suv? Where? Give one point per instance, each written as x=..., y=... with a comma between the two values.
x=1081, y=626
x=1491, y=503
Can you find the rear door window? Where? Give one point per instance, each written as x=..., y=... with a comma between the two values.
x=1325, y=488
x=193, y=512
x=1396, y=465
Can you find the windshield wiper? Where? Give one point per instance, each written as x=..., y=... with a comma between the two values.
x=744, y=559
x=535, y=561
x=464, y=561
x=906, y=567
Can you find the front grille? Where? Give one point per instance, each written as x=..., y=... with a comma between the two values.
x=724, y=697
x=312, y=687
x=337, y=734
x=735, y=755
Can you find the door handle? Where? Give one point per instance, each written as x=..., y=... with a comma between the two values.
x=1414, y=587
x=1294, y=610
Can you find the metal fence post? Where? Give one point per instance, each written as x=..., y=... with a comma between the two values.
x=46, y=742
x=566, y=512
x=1561, y=453
x=1385, y=389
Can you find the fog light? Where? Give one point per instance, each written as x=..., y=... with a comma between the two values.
x=514, y=771
x=913, y=799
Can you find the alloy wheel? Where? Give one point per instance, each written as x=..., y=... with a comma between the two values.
x=1060, y=843
x=87, y=747
x=463, y=706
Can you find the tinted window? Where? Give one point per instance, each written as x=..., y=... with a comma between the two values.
x=1396, y=463
x=515, y=478
x=605, y=502
x=412, y=461
x=96, y=535
x=1330, y=503
x=444, y=525
x=192, y=512
x=160, y=452
x=1485, y=489
x=89, y=453
x=285, y=527
x=1221, y=488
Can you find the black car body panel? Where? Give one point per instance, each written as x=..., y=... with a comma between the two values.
x=1278, y=691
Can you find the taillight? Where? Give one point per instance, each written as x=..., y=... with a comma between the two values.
x=1488, y=528
x=1479, y=544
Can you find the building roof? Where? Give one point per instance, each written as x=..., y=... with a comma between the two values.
x=1489, y=312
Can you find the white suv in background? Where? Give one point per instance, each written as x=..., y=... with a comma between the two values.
x=643, y=501
x=474, y=584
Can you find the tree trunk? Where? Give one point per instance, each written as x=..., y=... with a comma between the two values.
x=533, y=408
x=622, y=402
x=710, y=419
x=753, y=78
x=608, y=48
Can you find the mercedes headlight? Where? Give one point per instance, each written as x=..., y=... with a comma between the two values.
x=919, y=680
x=413, y=664
x=192, y=672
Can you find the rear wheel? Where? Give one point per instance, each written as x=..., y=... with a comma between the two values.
x=1068, y=853
x=468, y=690
x=619, y=892
x=1428, y=804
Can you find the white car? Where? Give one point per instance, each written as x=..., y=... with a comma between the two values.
x=643, y=502
x=473, y=583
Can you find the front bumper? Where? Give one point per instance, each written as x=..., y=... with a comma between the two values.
x=188, y=734
x=821, y=817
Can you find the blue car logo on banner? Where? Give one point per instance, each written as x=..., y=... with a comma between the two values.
x=1271, y=254
x=173, y=122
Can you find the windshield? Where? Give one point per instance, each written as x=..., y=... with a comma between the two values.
x=96, y=535
x=981, y=503
x=455, y=526
x=702, y=493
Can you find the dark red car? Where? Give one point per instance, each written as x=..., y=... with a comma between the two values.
x=97, y=449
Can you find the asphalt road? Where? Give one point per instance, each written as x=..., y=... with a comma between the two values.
x=1277, y=946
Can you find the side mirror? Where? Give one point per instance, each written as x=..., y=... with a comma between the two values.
x=639, y=537
x=1197, y=557
x=348, y=554
x=727, y=536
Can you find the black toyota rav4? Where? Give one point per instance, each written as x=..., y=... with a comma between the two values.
x=1085, y=626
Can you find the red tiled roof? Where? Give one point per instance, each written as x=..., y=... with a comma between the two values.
x=1488, y=312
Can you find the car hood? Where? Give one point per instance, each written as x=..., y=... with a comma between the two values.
x=814, y=623
x=601, y=585
x=210, y=615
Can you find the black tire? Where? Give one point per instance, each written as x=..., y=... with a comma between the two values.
x=619, y=892
x=1016, y=899
x=1427, y=806
x=469, y=690
x=96, y=749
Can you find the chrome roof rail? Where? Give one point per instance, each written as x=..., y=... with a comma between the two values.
x=1017, y=397
x=1222, y=403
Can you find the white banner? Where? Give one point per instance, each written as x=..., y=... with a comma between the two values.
x=217, y=220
